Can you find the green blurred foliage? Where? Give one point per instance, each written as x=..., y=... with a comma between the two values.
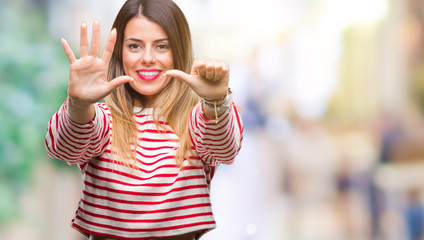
x=33, y=83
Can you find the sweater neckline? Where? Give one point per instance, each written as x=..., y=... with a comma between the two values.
x=140, y=110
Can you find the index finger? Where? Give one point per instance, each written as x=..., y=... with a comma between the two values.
x=199, y=67
x=109, y=46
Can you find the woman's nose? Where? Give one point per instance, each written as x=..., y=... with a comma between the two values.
x=148, y=57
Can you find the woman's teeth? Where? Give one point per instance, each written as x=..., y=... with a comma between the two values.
x=149, y=73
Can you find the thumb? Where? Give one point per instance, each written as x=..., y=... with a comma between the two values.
x=180, y=75
x=116, y=82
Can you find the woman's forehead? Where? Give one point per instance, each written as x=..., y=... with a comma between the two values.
x=142, y=28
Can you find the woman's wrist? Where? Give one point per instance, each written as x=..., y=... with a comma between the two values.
x=80, y=113
x=218, y=101
x=219, y=105
x=214, y=108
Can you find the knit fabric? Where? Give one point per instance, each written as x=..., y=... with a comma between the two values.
x=156, y=198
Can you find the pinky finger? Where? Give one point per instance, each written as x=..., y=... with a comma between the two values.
x=225, y=69
x=68, y=51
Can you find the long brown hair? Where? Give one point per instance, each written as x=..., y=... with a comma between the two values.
x=176, y=100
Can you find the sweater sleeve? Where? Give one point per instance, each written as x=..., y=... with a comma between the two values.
x=216, y=142
x=75, y=143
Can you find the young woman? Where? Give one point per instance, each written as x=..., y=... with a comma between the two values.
x=147, y=155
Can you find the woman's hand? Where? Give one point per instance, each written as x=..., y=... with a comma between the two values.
x=88, y=74
x=208, y=78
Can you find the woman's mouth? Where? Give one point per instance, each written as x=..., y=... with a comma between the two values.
x=148, y=75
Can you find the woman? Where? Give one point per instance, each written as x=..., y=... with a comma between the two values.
x=148, y=153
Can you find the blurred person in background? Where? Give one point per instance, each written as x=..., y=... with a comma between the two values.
x=148, y=176
x=414, y=215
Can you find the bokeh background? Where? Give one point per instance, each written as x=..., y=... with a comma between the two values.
x=333, y=99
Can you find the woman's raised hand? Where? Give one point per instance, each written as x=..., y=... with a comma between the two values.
x=88, y=74
x=208, y=78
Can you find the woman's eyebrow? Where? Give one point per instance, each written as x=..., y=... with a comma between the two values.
x=138, y=40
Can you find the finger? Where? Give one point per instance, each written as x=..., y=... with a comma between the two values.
x=221, y=70
x=210, y=70
x=217, y=72
x=180, y=75
x=68, y=51
x=109, y=46
x=199, y=67
x=95, y=39
x=225, y=68
x=83, y=40
x=116, y=82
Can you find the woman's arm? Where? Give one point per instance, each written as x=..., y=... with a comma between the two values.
x=80, y=129
x=77, y=143
x=216, y=142
x=216, y=131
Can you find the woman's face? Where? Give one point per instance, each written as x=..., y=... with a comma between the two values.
x=146, y=56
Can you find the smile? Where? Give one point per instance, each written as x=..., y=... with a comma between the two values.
x=148, y=75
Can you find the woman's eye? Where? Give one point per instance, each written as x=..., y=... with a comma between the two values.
x=133, y=46
x=163, y=47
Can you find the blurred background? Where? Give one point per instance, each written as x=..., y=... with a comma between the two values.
x=333, y=99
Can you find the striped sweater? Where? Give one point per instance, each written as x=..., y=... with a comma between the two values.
x=156, y=199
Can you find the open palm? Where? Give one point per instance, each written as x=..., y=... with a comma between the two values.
x=88, y=75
